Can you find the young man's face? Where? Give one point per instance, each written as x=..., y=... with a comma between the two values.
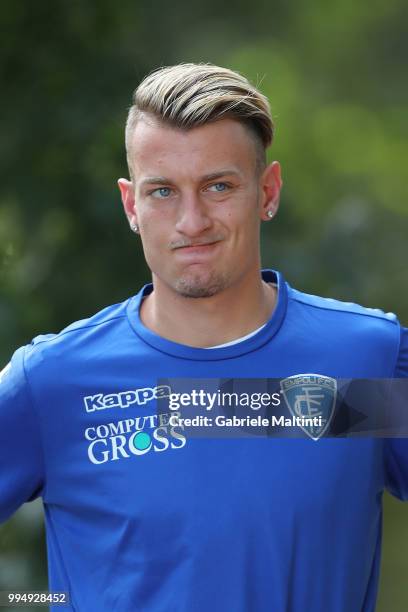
x=198, y=198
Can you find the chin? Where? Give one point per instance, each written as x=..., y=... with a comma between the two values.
x=198, y=287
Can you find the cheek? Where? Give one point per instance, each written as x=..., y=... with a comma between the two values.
x=152, y=224
x=155, y=220
x=154, y=257
x=241, y=213
x=155, y=235
x=152, y=243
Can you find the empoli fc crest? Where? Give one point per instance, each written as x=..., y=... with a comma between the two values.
x=308, y=396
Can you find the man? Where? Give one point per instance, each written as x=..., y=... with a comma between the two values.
x=141, y=517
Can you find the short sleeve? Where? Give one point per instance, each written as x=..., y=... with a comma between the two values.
x=396, y=449
x=21, y=457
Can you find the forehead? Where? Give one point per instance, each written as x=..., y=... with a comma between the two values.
x=156, y=147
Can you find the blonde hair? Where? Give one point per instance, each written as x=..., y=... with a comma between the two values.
x=189, y=95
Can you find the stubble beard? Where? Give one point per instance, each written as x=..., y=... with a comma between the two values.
x=195, y=285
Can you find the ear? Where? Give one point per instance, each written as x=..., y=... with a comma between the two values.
x=128, y=199
x=271, y=184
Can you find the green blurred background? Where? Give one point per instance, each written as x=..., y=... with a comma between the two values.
x=335, y=73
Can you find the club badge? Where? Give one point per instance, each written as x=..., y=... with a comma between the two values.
x=308, y=396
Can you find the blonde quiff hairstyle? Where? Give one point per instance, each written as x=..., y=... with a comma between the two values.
x=190, y=95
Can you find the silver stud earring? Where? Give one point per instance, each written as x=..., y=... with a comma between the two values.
x=270, y=213
x=134, y=228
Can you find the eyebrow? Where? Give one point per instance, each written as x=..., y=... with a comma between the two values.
x=162, y=180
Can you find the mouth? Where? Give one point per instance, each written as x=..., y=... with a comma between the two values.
x=199, y=245
x=198, y=249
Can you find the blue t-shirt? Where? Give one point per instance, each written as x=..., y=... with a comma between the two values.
x=141, y=519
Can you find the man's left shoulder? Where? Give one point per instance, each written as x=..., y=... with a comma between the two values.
x=348, y=320
x=341, y=308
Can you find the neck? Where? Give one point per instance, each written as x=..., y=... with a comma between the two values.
x=204, y=322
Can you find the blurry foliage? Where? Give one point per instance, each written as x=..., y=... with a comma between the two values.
x=335, y=74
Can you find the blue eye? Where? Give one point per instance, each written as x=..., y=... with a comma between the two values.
x=219, y=187
x=162, y=192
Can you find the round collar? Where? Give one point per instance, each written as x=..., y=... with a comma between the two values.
x=202, y=354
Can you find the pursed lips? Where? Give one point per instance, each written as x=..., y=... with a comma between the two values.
x=194, y=244
x=197, y=250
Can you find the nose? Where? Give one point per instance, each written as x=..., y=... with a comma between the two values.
x=193, y=218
